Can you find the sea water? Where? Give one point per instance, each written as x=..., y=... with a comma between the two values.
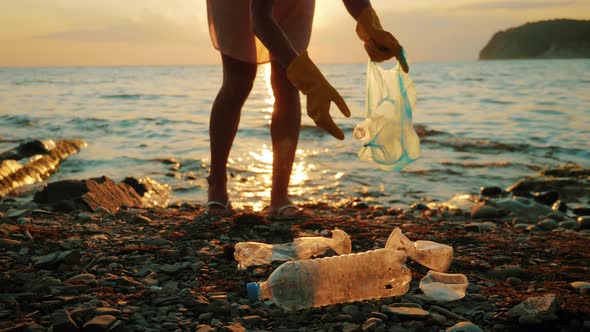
x=491, y=123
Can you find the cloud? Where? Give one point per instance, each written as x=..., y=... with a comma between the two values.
x=147, y=29
x=514, y=5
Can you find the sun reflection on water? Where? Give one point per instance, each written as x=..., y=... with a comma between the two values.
x=254, y=183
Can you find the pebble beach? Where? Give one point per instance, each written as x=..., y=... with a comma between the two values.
x=172, y=268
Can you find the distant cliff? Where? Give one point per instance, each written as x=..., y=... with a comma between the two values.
x=546, y=39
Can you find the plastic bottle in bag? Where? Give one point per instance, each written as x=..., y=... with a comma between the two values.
x=387, y=133
x=433, y=255
x=323, y=281
x=256, y=253
x=444, y=287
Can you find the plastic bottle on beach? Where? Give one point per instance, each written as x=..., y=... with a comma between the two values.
x=256, y=253
x=433, y=255
x=323, y=281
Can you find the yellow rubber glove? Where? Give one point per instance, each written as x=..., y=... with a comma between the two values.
x=379, y=44
x=308, y=79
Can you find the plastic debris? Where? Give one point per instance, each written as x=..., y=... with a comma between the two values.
x=433, y=255
x=373, y=274
x=387, y=133
x=323, y=281
x=256, y=253
x=444, y=287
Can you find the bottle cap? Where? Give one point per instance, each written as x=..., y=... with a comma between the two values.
x=253, y=289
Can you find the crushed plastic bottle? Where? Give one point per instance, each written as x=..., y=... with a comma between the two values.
x=256, y=253
x=387, y=133
x=323, y=281
x=433, y=255
x=444, y=287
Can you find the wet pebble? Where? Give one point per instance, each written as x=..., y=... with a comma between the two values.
x=491, y=191
x=584, y=223
x=547, y=224
x=502, y=272
x=514, y=282
x=99, y=323
x=406, y=312
x=464, y=327
x=581, y=211
x=581, y=286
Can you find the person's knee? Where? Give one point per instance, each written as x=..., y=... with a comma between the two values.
x=281, y=85
x=238, y=77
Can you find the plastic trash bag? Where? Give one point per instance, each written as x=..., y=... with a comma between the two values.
x=387, y=133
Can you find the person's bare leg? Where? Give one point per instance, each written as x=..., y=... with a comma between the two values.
x=284, y=130
x=238, y=78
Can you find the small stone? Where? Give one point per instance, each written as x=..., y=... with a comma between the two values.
x=582, y=287
x=9, y=244
x=534, y=310
x=440, y=319
x=348, y=327
x=482, y=211
x=99, y=323
x=205, y=317
x=252, y=320
x=547, y=197
x=371, y=323
x=353, y=311
x=581, y=211
x=407, y=312
x=559, y=206
x=63, y=322
x=53, y=260
x=478, y=297
x=204, y=328
x=235, y=327
x=547, y=224
x=464, y=327
x=514, y=282
x=584, y=222
x=419, y=206
x=379, y=315
x=479, y=226
x=107, y=311
x=569, y=224
x=490, y=191
x=342, y=318
x=82, y=279
x=156, y=241
x=504, y=271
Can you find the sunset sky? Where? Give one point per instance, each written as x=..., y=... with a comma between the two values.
x=174, y=32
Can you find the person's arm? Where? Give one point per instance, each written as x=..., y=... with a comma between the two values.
x=379, y=44
x=301, y=71
x=270, y=34
x=355, y=7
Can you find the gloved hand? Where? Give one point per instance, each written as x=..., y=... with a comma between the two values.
x=379, y=44
x=308, y=79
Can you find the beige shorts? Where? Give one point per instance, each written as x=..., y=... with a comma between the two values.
x=231, y=29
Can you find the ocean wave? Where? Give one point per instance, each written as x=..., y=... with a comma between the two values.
x=128, y=96
x=548, y=112
x=495, y=101
x=466, y=145
x=17, y=120
x=469, y=164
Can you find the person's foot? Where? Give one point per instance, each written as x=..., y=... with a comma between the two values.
x=218, y=209
x=218, y=204
x=287, y=211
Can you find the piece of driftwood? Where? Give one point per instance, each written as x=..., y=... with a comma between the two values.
x=45, y=159
x=92, y=194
